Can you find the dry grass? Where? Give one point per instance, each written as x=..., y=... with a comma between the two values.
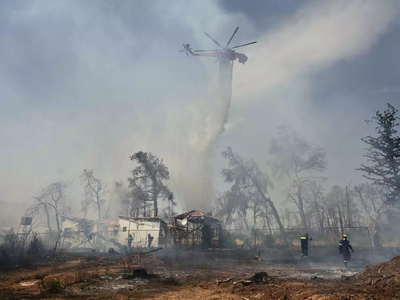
x=50, y=285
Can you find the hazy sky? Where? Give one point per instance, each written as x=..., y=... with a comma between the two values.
x=86, y=84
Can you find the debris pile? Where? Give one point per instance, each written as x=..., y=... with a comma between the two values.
x=382, y=278
x=389, y=268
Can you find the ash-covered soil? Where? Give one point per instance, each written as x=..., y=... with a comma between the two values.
x=200, y=276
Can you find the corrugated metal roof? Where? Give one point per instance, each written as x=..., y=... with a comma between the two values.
x=150, y=219
x=196, y=214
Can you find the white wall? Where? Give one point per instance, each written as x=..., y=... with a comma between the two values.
x=139, y=231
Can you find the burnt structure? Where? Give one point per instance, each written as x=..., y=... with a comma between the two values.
x=195, y=230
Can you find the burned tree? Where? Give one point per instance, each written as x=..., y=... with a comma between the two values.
x=51, y=202
x=95, y=191
x=247, y=177
x=267, y=221
x=166, y=213
x=256, y=203
x=314, y=196
x=335, y=205
x=383, y=153
x=294, y=156
x=230, y=203
x=372, y=199
x=132, y=203
x=147, y=180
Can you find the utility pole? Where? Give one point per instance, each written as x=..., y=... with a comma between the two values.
x=340, y=219
x=348, y=208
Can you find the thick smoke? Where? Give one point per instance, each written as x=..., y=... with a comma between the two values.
x=87, y=85
x=319, y=35
x=283, y=82
x=86, y=92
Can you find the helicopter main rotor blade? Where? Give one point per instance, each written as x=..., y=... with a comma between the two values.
x=213, y=40
x=207, y=50
x=243, y=45
x=185, y=48
x=237, y=28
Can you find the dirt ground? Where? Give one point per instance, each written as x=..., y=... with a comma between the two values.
x=148, y=276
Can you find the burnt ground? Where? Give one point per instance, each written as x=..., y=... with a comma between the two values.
x=206, y=275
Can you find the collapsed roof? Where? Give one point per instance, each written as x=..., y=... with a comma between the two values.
x=196, y=216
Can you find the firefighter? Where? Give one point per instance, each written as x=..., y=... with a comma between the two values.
x=344, y=248
x=304, y=245
x=34, y=246
x=149, y=240
x=377, y=240
x=130, y=239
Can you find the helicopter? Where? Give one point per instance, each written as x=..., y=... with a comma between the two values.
x=223, y=54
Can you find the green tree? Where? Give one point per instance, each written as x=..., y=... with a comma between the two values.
x=383, y=153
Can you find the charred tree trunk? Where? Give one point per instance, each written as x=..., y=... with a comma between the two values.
x=300, y=204
x=155, y=199
x=268, y=224
x=48, y=220
x=301, y=210
x=245, y=222
x=254, y=216
x=57, y=220
x=155, y=208
x=98, y=206
x=274, y=212
x=320, y=220
x=321, y=224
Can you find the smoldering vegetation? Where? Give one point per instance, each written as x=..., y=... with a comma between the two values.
x=149, y=212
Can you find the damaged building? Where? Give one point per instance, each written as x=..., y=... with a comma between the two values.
x=140, y=228
x=195, y=230
x=81, y=234
x=192, y=230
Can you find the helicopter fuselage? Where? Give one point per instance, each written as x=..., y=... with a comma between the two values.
x=223, y=55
